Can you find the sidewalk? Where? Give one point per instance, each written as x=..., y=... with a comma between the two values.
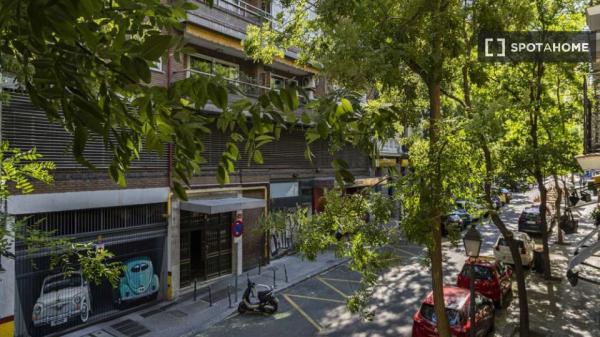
x=557, y=309
x=186, y=317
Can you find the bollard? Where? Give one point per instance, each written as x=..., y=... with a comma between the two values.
x=195, y=288
x=274, y=283
x=210, y=296
x=229, y=296
x=285, y=272
x=236, y=288
x=258, y=259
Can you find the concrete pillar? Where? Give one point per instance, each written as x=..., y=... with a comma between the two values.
x=237, y=250
x=173, y=247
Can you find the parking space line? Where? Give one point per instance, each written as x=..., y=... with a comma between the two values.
x=332, y=287
x=407, y=252
x=339, y=280
x=317, y=298
x=303, y=313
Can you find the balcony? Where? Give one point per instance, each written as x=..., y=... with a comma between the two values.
x=246, y=85
x=229, y=17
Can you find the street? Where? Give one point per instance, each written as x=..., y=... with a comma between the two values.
x=317, y=305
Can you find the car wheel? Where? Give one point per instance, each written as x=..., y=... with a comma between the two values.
x=500, y=302
x=84, y=315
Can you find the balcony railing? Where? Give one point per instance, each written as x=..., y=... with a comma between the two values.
x=248, y=86
x=243, y=9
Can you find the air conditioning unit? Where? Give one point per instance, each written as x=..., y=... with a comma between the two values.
x=309, y=83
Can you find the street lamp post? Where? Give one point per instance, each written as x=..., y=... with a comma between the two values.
x=472, y=241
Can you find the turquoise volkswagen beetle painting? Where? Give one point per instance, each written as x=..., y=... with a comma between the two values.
x=138, y=280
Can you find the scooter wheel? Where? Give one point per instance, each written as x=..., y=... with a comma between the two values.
x=271, y=307
x=242, y=308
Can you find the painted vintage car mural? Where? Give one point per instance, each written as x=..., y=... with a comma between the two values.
x=63, y=297
x=138, y=281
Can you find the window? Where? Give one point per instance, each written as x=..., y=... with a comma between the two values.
x=284, y=190
x=144, y=266
x=135, y=269
x=481, y=272
x=157, y=65
x=61, y=282
x=428, y=313
x=208, y=65
x=277, y=82
x=503, y=242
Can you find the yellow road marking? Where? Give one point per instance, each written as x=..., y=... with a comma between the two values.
x=316, y=298
x=303, y=313
x=332, y=287
x=231, y=316
x=339, y=280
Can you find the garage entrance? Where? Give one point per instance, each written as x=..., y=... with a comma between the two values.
x=205, y=246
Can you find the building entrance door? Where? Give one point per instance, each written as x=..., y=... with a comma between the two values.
x=206, y=246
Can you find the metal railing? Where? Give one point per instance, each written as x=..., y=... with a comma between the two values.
x=243, y=9
x=245, y=87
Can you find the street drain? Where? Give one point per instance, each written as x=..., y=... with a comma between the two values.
x=99, y=333
x=130, y=328
x=177, y=313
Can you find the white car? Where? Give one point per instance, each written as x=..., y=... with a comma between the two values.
x=63, y=297
x=526, y=247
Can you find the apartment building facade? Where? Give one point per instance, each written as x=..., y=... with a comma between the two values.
x=166, y=244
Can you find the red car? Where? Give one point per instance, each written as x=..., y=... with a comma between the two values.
x=492, y=278
x=457, y=301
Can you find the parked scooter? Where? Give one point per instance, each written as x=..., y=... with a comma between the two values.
x=267, y=302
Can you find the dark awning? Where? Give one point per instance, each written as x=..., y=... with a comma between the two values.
x=214, y=206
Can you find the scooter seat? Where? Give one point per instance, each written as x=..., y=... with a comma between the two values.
x=262, y=295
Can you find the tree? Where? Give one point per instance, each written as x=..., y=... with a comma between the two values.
x=399, y=46
x=532, y=88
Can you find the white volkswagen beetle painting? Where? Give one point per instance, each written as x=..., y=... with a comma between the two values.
x=63, y=297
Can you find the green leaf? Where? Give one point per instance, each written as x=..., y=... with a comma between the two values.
x=154, y=46
x=258, y=158
x=222, y=175
x=346, y=105
x=80, y=137
x=179, y=191
x=218, y=95
x=142, y=69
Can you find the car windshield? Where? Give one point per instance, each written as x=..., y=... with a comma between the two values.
x=61, y=282
x=530, y=215
x=428, y=313
x=481, y=272
x=503, y=242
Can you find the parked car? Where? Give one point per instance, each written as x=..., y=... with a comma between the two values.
x=138, y=280
x=525, y=244
x=457, y=302
x=464, y=216
x=475, y=210
x=530, y=220
x=63, y=297
x=492, y=278
x=450, y=221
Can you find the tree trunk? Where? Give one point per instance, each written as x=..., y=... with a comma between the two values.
x=543, y=209
x=435, y=251
x=535, y=113
x=557, y=208
x=514, y=250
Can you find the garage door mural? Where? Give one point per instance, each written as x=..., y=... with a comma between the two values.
x=52, y=300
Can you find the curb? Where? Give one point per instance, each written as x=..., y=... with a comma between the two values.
x=230, y=311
